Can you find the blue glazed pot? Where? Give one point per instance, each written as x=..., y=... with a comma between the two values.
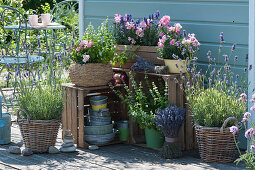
x=5, y=128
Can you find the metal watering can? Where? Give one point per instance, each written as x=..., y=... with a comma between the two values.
x=5, y=126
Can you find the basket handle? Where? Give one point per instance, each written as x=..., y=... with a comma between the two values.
x=23, y=110
x=226, y=122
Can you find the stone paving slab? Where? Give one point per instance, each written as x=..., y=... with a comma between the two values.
x=111, y=157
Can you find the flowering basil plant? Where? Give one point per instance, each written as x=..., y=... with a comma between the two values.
x=144, y=31
x=174, y=43
x=97, y=46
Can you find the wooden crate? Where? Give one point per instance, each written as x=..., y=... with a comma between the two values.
x=76, y=106
x=175, y=96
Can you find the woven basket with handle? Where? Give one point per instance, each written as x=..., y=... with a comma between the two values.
x=90, y=74
x=38, y=135
x=216, y=144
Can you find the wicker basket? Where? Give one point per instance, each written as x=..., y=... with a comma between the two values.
x=90, y=74
x=216, y=144
x=38, y=135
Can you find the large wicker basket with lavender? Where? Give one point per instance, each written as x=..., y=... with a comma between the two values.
x=38, y=135
x=217, y=144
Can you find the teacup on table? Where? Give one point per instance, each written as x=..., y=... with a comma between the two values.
x=33, y=20
x=45, y=19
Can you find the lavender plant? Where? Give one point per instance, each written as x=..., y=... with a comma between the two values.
x=170, y=120
x=213, y=94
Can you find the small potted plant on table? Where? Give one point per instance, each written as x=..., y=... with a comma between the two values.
x=136, y=38
x=91, y=57
x=176, y=48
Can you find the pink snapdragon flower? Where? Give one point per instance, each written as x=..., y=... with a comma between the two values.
x=172, y=42
x=117, y=18
x=244, y=120
x=131, y=40
x=247, y=114
x=249, y=133
x=171, y=29
x=139, y=32
x=161, y=34
x=90, y=44
x=85, y=58
x=178, y=26
x=160, y=45
x=125, y=18
x=165, y=21
x=233, y=130
x=130, y=25
x=143, y=25
x=83, y=43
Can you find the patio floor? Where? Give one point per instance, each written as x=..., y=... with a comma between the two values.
x=119, y=156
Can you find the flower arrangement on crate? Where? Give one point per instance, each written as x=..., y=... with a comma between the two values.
x=136, y=37
x=143, y=105
x=213, y=98
x=249, y=157
x=170, y=120
x=92, y=56
x=175, y=47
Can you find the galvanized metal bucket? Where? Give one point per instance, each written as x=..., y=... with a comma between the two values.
x=5, y=126
x=98, y=102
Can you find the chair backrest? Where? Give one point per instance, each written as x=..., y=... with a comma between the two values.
x=13, y=32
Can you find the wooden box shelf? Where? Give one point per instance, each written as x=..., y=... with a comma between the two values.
x=76, y=101
x=175, y=96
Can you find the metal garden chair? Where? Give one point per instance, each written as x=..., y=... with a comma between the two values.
x=15, y=52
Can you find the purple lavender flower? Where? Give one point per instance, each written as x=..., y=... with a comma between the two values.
x=226, y=57
x=245, y=70
x=247, y=114
x=184, y=33
x=176, y=64
x=236, y=58
x=183, y=51
x=250, y=133
x=246, y=57
x=221, y=37
x=233, y=47
x=188, y=84
x=250, y=67
x=175, y=56
x=233, y=130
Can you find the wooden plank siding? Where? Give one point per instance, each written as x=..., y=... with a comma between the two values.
x=205, y=18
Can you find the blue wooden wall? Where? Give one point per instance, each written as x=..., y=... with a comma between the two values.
x=205, y=18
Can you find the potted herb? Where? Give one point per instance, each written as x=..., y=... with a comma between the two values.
x=216, y=99
x=170, y=120
x=143, y=105
x=139, y=37
x=91, y=57
x=175, y=46
x=40, y=104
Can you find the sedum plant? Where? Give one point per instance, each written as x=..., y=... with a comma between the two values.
x=143, y=104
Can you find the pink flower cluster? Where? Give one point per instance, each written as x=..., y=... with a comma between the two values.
x=85, y=58
x=131, y=40
x=243, y=97
x=250, y=133
x=176, y=28
x=130, y=25
x=84, y=44
x=191, y=40
x=139, y=32
x=233, y=130
x=162, y=41
x=117, y=18
x=165, y=21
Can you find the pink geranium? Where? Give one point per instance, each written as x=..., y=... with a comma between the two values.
x=160, y=45
x=139, y=32
x=85, y=58
x=172, y=42
x=165, y=21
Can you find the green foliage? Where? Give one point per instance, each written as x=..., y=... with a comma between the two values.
x=46, y=8
x=102, y=50
x=211, y=107
x=128, y=54
x=248, y=159
x=43, y=103
x=37, y=4
x=142, y=103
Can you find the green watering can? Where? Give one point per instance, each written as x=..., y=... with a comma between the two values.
x=5, y=126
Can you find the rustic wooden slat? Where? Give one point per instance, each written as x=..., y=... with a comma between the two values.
x=172, y=90
x=81, y=118
x=189, y=130
x=64, y=113
x=74, y=116
x=69, y=106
